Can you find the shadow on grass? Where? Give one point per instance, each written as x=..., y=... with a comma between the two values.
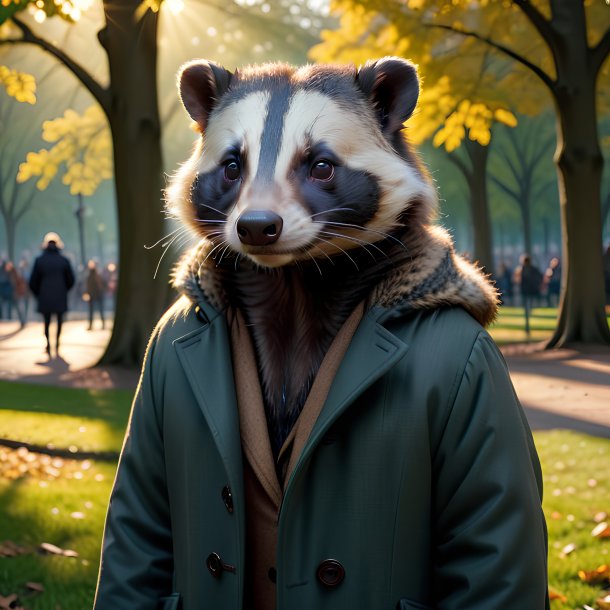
x=571, y=367
x=544, y=420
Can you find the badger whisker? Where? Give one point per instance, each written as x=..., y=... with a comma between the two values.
x=224, y=251
x=163, y=238
x=166, y=247
x=314, y=262
x=367, y=229
x=213, y=209
x=360, y=242
x=332, y=210
x=334, y=245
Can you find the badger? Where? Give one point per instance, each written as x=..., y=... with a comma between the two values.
x=307, y=199
x=319, y=423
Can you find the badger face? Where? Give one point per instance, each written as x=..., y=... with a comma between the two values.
x=298, y=163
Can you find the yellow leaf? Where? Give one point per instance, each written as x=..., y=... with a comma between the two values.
x=599, y=576
x=19, y=85
x=506, y=117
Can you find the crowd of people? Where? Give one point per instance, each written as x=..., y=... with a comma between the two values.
x=51, y=279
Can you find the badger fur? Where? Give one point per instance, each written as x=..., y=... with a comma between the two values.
x=307, y=199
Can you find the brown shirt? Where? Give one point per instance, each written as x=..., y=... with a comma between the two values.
x=262, y=488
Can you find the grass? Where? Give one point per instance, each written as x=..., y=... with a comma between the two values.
x=577, y=488
x=510, y=325
x=91, y=420
x=68, y=508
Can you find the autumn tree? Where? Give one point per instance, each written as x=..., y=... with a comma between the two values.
x=519, y=173
x=15, y=201
x=561, y=45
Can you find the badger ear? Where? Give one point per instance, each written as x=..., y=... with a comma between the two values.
x=392, y=86
x=201, y=84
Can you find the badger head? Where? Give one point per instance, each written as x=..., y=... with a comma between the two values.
x=298, y=163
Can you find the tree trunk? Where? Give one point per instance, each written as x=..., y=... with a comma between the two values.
x=10, y=227
x=527, y=222
x=131, y=46
x=579, y=161
x=479, y=203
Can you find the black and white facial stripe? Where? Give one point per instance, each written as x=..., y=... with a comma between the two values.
x=305, y=145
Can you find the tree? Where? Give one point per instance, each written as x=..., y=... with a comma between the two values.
x=521, y=155
x=15, y=201
x=562, y=45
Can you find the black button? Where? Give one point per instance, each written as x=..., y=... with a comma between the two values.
x=272, y=575
x=330, y=573
x=227, y=498
x=214, y=564
x=217, y=566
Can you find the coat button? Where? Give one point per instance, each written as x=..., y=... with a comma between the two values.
x=330, y=573
x=216, y=566
x=227, y=498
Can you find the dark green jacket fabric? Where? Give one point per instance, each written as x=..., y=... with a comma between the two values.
x=420, y=478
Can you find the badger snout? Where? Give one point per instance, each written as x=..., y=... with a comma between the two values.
x=259, y=227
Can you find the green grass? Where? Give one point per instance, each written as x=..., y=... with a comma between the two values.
x=510, y=325
x=91, y=420
x=577, y=487
x=35, y=508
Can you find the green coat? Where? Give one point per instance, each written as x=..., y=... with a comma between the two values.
x=420, y=477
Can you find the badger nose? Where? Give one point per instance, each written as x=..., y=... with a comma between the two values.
x=259, y=227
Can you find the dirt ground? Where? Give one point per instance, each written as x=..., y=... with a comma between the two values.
x=559, y=389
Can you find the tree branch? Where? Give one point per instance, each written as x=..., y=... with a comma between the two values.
x=600, y=51
x=539, y=21
x=509, y=191
x=101, y=94
x=461, y=165
x=539, y=72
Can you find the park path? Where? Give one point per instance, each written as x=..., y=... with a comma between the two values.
x=559, y=389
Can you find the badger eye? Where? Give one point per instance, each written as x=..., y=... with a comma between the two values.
x=232, y=171
x=322, y=170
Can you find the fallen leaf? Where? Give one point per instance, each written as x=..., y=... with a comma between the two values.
x=8, y=603
x=50, y=549
x=556, y=595
x=603, y=602
x=598, y=576
x=601, y=530
x=8, y=548
x=35, y=586
x=567, y=549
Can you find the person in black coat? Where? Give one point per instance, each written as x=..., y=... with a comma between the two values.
x=51, y=278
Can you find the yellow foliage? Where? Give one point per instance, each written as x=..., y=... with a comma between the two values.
x=506, y=117
x=82, y=143
x=20, y=85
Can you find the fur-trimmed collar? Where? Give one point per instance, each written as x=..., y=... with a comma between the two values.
x=431, y=277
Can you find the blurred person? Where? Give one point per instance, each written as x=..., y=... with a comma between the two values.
x=606, y=261
x=18, y=290
x=51, y=279
x=6, y=292
x=22, y=270
x=552, y=282
x=95, y=287
x=504, y=283
x=529, y=279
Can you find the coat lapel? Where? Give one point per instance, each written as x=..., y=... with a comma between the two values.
x=206, y=359
x=372, y=351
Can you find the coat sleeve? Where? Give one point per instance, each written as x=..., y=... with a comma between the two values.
x=137, y=565
x=490, y=533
